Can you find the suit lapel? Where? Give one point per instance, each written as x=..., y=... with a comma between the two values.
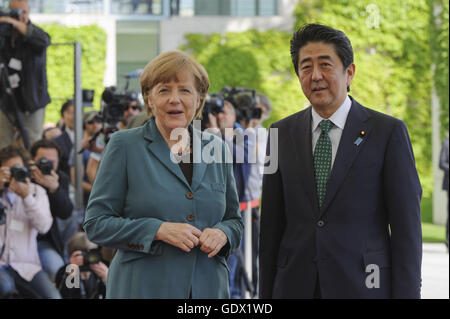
x=301, y=138
x=347, y=151
x=199, y=164
x=159, y=148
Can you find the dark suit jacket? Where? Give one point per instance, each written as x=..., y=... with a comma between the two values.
x=370, y=215
x=61, y=207
x=443, y=163
x=66, y=145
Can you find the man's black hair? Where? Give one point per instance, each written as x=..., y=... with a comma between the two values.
x=65, y=106
x=44, y=144
x=321, y=33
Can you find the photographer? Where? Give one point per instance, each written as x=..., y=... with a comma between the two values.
x=228, y=117
x=86, y=258
x=44, y=171
x=26, y=214
x=24, y=57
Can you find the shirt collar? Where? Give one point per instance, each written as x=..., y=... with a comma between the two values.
x=338, y=118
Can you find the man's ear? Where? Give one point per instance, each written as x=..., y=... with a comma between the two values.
x=350, y=73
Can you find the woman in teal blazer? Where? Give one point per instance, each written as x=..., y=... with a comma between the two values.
x=173, y=224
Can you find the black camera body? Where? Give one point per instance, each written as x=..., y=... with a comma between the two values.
x=45, y=166
x=116, y=104
x=19, y=173
x=90, y=257
x=244, y=102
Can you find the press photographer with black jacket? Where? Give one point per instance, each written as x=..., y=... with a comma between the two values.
x=45, y=172
x=24, y=54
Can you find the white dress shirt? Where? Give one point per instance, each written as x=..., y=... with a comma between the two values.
x=338, y=118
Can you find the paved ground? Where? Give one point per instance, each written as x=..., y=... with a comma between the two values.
x=435, y=272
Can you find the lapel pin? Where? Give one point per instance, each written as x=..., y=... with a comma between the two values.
x=360, y=138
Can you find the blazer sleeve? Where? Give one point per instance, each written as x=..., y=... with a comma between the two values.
x=272, y=226
x=402, y=193
x=231, y=224
x=105, y=223
x=443, y=158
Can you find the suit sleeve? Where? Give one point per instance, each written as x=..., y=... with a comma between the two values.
x=231, y=224
x=402, y=193
x=443, y=158
x=104, y=222
x=272, y=227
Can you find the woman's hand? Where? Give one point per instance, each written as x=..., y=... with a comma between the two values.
x=212, y=240
x=181, y=235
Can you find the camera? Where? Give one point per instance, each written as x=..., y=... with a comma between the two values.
x=19, y=173
x=90, y=257
x=2, y=213
x=244, y=101
x=214, y=104
x=45, y=166
x=115, y=104
x=6, y=29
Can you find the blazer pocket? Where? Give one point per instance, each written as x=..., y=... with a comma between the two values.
x=380, y=258
x=127, y=256
x=218, y=187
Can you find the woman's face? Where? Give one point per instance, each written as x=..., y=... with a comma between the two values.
x=174, y=103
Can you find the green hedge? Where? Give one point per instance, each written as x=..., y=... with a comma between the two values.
x=60, y=64
x=393, y=56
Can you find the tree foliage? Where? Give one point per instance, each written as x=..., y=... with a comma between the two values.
x=60, y=64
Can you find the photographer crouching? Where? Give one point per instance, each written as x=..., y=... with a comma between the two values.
x=85, y=277
x=45, y=172
x=25, y=213
x=23, y=71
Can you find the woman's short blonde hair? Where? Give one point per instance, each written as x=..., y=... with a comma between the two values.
x=165, y=68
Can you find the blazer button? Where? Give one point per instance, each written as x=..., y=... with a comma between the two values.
x=320, y=223
x=190, y=217
x=189, y=195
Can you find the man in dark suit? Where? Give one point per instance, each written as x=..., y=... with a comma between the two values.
x=341, y=215
x=443, y=165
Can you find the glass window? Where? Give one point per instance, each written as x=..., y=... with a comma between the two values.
x=66, y=6
x=234, y=7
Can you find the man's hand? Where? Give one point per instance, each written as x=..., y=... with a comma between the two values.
x=101, y=270
x=5, y=176
x=18, y=25
x=48, y=181
x=181, y=235
x=21, y=189
x=212, y=240
x=76, y=258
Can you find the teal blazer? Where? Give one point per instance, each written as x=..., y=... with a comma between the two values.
x=137, y=188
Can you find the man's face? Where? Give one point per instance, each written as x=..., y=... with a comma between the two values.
x=93, y=126
x=68, y=117
x=22, y=5
x=226, y=118
x=49, y=153
x=322, y=76
x=131, y=110
x=12, y=161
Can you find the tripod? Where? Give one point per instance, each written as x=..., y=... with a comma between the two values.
x=8, y=104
